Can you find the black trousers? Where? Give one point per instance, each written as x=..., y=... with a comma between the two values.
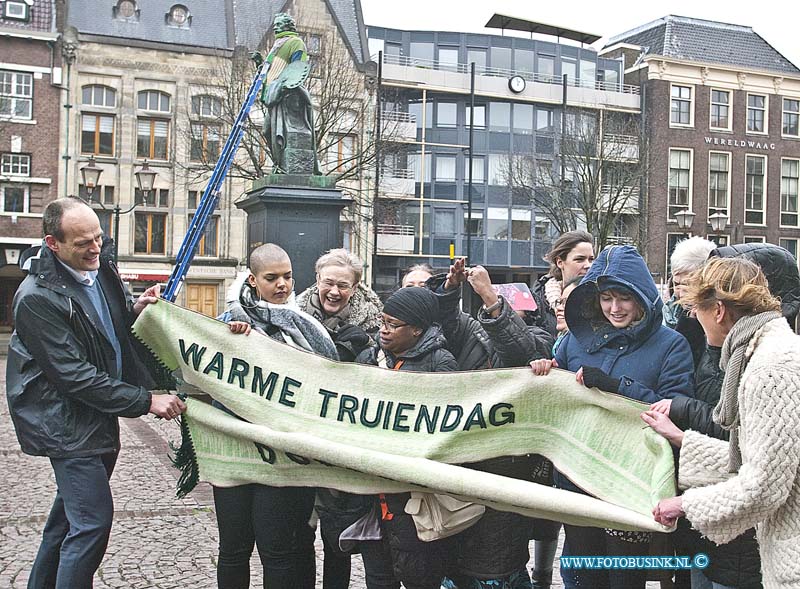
x=275, y=520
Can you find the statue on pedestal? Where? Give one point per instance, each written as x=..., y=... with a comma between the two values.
x=289, y=122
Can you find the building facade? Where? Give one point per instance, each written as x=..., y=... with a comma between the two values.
x=160, y=83
x=722, y=112
x=30, y=105
x=523, y=104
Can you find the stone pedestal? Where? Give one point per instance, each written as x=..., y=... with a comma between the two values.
x=299, y=213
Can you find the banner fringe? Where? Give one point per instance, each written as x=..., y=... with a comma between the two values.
x=185, y=460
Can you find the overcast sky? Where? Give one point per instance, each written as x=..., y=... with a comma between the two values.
x=777, y=22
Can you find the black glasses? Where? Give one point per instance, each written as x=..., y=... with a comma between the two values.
x=393, y=326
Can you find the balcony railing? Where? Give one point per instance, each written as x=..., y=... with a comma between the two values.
x=397, y=182
x=462, y=68
x=626, y=197
x=395, y=238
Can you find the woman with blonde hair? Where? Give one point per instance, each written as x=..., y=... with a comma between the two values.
x=754, y=479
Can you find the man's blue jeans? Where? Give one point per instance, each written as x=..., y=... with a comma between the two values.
x=77, y=530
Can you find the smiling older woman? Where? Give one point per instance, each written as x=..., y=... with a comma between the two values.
x=339, y=299
x=753, y=480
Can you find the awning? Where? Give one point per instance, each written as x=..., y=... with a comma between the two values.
x=502, y=21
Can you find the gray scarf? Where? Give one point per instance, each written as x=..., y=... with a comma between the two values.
x=733, y=361
x=294, y=323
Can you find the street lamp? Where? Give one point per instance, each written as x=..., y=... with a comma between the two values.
x=718, y=222
x=685, y=218
x=145, y=179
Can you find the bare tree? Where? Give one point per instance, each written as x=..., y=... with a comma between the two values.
x=594, y=180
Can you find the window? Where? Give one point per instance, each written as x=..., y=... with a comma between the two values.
x=588, y=71
x=154, y=100
x=479, y=119
x=97, y=134
x=523, y=119
x=106, y=221
x=16, y=94
x=99, y=96
x=13, y=199
x=681, y=105
x=478, y=56
x=416, y=164
x=755, y=168
x=423, y=117
x=501, y=58
x=206, y=142
x=755, y=239
x=421, y=54
x=756, y=113
x=341, y=153
x=446, y=114
x=151, y=233
x=496, y=173
x=17, y=10
x=103, y=194
x=497, y=223
x=178, y=16
x=192, y=198
x=446, y=168
x=720, y=109
x=718, y=173
x=544, y=121
x=546, y=67
x=448, y=59
x=204, y=105
x=158, y=197
x=444, y=222
x=125, y=9
x=521, y=224
x=152, y=139
x=313, y=43
x=474, y=224
x=680, y=163
x=791, y=117
x=209, y=243
x=500, y=116
x=523, y=61
x=569, y=68
x=15, y=164
x=477, y=169
x=790, y=177
x=789, y=245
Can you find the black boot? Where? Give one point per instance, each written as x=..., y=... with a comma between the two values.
x=544, y=552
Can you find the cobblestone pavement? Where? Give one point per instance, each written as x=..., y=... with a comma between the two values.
x=158, y=541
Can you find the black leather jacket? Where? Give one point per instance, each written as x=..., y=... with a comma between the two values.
x=61, y=395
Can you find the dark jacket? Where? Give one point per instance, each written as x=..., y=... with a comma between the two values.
x=428, y=355
x=413, y=560
x=487, y=342
x=780, y=269
x=61, y=395
x=695, y=413
x=545, y=315
x=650, y=360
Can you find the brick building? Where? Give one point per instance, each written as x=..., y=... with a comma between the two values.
x=722, y=113
x=30, y=97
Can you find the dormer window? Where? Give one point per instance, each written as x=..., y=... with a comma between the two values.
x=126, y=10
x=178, y=16
x=17, y=10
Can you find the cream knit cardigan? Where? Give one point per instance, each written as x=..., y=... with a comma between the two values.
x=765, y=493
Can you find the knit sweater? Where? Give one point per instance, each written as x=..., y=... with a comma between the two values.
x=765, y=492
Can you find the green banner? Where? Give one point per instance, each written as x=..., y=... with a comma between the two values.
x=315, y=422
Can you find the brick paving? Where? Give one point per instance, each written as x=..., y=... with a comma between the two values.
x=158, y=540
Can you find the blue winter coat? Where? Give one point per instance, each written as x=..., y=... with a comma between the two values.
x=652, y=361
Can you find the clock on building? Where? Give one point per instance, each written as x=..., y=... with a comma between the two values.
x=516, y=84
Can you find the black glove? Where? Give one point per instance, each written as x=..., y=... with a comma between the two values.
x=350, y=341
x=596, y=378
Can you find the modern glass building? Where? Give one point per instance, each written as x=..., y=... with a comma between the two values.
x=520, y=97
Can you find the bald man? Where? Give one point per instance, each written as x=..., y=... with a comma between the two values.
x=71, y=373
